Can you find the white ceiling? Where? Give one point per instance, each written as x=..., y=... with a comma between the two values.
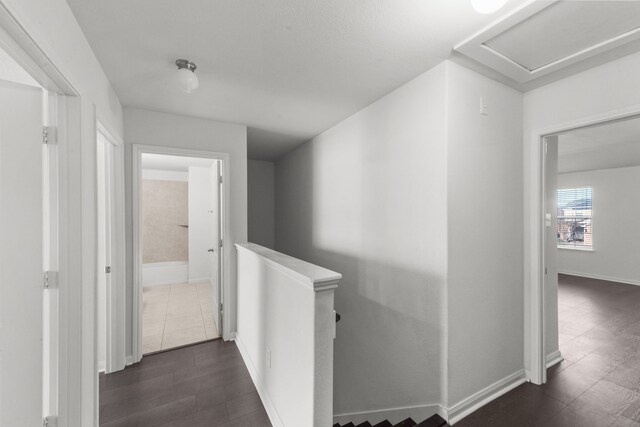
x=565, y=28
x=289, y=69
x=607, y=146
x=165, y=162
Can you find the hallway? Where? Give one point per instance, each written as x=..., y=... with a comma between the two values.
x=202, y=385
x=598, y=383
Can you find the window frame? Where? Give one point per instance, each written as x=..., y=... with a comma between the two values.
x=571, y=247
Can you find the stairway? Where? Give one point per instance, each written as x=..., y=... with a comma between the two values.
x=433, y=421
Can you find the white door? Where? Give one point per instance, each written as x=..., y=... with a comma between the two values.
x=21, y=256
x=105, y=249
x=215, y=237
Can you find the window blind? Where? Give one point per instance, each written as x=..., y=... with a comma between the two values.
x=575, y=207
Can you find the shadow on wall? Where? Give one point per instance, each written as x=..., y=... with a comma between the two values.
x=388, y=340
x=387, y=349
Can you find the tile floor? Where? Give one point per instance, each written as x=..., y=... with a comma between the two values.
x=175, y=315
x=598, y=383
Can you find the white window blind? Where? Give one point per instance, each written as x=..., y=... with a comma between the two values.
x=575, y=207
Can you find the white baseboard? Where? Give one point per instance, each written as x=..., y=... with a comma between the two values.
x=601, y=277
x=394, y=415
x=264, y=396
x=128, y=360
x=554, y=358
x=466, y=406
x=164, y=273
x=200, y=280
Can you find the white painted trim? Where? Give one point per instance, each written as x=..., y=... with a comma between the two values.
x=476, y=48
x=534, y=232
x=312, y=276
x=200, y=280
x=466, y=406
x=601, y=277
x=226, y=252
x=554, y=358
x=116, y=304
x=74, y=343
x=418, y=413
x=274, y=417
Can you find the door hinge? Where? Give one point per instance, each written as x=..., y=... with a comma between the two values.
x=50, y=421
x=220, y=179
x=545, y=270
x=48, y=135
x=221, y=242
x=50, y=280
x=221, y=307
x=107, y=269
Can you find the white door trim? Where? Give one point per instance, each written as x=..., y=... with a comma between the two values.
x=535, y=320
x=73, y=352
x=116, y=302
x=137, y=151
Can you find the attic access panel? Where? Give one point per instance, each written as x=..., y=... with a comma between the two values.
x=545, y=36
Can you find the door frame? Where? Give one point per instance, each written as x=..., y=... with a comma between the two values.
x=534, y=210
x=64, y=208
x=224, y=282
x=115, y=299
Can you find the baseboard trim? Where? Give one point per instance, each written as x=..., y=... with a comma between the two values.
x=554, y=358
x=128, y=360
x=601, y=277
x=394, y=415
x=466, y=406
x=264, y=396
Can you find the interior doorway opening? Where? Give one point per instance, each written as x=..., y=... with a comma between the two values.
x=179, y=203
x=590, y=176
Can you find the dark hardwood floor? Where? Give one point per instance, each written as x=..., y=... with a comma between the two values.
x=202, y=385
x=598, y=383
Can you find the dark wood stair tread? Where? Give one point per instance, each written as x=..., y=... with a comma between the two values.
x=384, y=423
x=364, y=424
x=349, y=425
x=433, y=421
x=408, y=422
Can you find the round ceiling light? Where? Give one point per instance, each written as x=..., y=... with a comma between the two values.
x=187, y=78
x=487, y=6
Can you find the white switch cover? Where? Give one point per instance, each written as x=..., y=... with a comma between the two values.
x=483, y=107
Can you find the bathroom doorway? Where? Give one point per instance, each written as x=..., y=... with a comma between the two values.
x=179, y=231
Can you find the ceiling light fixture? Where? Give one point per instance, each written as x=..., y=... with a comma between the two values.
x=186, y=75
x=487, y=6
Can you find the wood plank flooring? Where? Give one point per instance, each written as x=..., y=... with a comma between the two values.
x=598, y=383
x=202, y=385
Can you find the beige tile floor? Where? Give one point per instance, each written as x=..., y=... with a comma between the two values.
x=175, y=315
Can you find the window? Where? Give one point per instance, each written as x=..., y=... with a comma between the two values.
x=575, y=218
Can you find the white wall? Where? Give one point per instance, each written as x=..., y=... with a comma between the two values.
x=52, y=26
x=200, y=222
x=484, y=195
x=616, y=233
x=590, y=95
x=169, y=130
x=286, y=328
x=261, y=183
x=367, y=198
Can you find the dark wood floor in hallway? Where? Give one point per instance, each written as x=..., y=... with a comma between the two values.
x=202, y=385
x=598, y=383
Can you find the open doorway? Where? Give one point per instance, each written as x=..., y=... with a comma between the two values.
x=179, y=203
x=592, y=244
